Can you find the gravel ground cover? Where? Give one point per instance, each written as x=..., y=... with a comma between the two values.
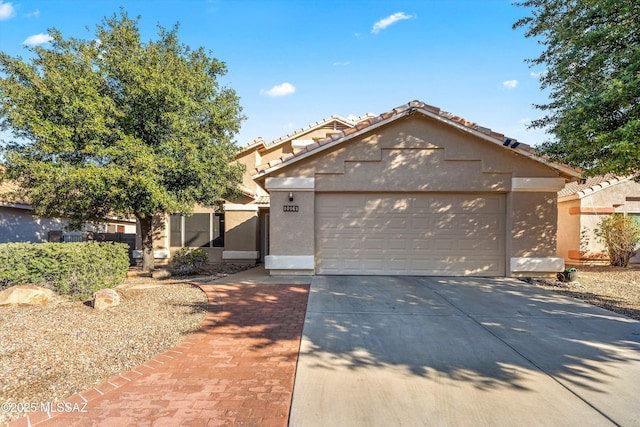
x=51, y=352
x=614, y=288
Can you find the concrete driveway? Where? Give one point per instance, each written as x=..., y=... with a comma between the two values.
x=427, y=351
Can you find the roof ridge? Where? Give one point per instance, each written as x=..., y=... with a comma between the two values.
x=308, y=128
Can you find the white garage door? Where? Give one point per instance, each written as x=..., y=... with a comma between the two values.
x=410, y=234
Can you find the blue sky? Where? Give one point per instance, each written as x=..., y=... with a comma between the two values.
x=296, y=62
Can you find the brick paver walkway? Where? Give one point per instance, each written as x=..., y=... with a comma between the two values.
x=238, y=369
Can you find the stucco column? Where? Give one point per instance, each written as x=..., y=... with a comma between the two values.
x=241, y=233
x=291, y=227
x=533, y=227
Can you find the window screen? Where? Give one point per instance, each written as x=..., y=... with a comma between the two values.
x=197, y=230
x=202, y=230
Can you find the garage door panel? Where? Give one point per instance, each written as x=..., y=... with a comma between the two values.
x=424, y=234
x=371, y=244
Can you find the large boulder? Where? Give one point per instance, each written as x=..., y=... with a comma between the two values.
x=26, y=295
x=105, y=298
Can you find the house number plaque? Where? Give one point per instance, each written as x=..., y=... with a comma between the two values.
x=290, y=208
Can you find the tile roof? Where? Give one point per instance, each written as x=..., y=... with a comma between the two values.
x=263, y=201
x=590, y=185
x=347, y=122
x=370, y=122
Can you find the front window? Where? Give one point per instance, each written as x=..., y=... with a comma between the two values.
x=200, y=230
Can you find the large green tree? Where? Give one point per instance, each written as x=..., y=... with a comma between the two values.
x=112, y=125
x=591, y=55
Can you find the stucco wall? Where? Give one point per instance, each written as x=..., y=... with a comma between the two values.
x=292, y=233
x=534, y=224
x=568, y=230
x=241, y=230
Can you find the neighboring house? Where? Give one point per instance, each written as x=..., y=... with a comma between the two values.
x=581, y=206
x=18, y=224
x=413, y=191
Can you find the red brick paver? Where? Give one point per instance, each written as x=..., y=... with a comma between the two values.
x=238, y=369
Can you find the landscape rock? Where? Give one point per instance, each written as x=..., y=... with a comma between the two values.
x=105, y=298
x=26, y=295
x=161, y=274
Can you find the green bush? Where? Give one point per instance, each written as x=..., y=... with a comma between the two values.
x=189, y=261
x=73, y=269
x=620, y=235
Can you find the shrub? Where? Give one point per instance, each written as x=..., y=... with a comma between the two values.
x=189, y=261
x=620, y=236
x=73, y=269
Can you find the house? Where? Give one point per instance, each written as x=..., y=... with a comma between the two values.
x=413, y=191
x=581, y=206
x=18, y=224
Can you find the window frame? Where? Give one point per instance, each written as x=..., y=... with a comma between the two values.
x=214, y=241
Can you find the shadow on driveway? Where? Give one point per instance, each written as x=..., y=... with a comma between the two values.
x=465, y=351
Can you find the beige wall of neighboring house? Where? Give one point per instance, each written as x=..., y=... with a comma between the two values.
x=581, y=207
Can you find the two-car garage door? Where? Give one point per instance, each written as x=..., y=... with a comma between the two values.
x=410, y=234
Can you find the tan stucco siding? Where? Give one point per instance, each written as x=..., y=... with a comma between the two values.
x=241, y=231
x=291, y=233
x=413, y=170
x=568, y=229
x=534, y=224
x=615, y=196
x=249, y=160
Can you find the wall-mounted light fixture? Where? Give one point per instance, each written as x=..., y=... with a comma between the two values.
x=291, y=196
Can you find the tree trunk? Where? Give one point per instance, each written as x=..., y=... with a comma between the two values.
x=146, y=234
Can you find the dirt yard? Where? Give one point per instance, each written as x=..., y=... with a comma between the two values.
x=613, y=288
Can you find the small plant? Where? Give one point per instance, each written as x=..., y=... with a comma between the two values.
x=189, y=261
x=620, y=235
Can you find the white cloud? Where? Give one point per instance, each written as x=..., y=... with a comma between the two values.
x=6, y=11
x=341, y=64
x=538, y=74
x=510, y=84
x=389, y=20
x=279, y=90
x=37, y=39
x=34, y=14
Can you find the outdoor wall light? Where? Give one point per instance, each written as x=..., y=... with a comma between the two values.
x=291, y=196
